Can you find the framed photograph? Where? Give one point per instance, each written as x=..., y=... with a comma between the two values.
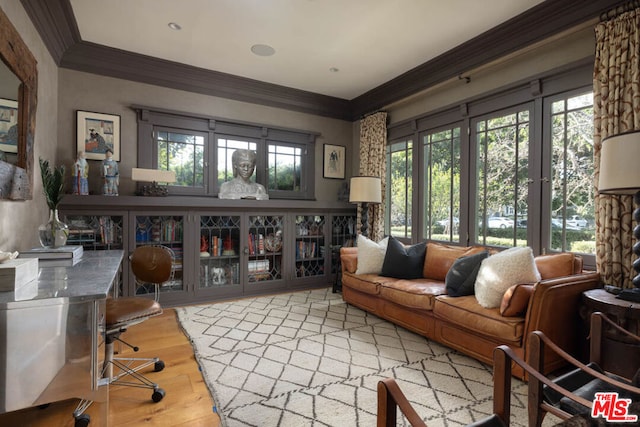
x=8, y=125
x=334, y=161
x=96, y=132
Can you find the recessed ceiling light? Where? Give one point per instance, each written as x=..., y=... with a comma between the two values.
x=174, y=26
x=334, y=69
x=262, y=50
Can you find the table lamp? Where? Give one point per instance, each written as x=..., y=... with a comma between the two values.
x=154, y=176
x=619, y=174
x=365, y=190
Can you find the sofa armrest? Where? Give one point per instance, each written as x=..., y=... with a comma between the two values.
x=349, y=259
x=554, y=309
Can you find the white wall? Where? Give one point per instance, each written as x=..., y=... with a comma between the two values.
x=19, y=220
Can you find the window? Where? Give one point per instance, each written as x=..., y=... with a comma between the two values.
x=399, y=188
x=441, y=190
x=501, y=174
x=198, y=149
x=572, y=209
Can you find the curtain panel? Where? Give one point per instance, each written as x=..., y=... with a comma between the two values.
x=373, y=143
x=616, y=87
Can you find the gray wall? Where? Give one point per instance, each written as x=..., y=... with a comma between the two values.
x=90, y=92
x=19, y=221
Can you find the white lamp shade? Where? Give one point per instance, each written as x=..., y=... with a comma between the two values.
x=152, y=175
x=365, y=189
x=619, y=161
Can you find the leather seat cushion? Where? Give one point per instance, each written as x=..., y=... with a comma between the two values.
x=120, y=311
x=414, y=293
x=467, y=313
x=366, y=283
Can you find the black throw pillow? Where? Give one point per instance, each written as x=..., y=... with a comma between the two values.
x=461, y=277
x=403, y=262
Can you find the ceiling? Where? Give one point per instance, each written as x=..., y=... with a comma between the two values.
x=383, y=50
x=369, y=42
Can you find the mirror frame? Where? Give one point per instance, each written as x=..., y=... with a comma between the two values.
x=16, y=181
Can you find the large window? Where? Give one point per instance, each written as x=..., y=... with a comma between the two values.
x=199, y=150
x=516, y=169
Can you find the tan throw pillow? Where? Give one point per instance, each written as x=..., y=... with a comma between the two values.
x=439, y=258
x=516, y=300
x=555, y=265
x=501, y=271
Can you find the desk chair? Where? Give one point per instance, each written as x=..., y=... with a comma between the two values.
x=152, y=265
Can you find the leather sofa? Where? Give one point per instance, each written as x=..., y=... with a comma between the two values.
x=423, y=306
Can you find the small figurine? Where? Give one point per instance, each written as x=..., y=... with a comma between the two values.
x=204, y=247
x=110, y=174
x=240, y=187
x=80, y=176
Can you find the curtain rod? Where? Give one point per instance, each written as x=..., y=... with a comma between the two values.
x=620, y=9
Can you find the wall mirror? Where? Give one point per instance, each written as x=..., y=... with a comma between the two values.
x=18, y=100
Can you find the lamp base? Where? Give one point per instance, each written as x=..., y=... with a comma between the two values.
x=632, y=294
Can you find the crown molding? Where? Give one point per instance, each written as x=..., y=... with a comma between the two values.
x=58, y=29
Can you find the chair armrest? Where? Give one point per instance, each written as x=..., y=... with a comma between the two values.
x=391, y=397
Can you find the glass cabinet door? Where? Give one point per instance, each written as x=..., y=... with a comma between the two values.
x=165, y=230
x=95, y=232
x=310, y=249
x=219, y=263
x=343, y=233
x=264, y=248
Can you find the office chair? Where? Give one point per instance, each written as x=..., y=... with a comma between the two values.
x=152, y=265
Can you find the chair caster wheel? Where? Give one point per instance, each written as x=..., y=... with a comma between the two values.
x=159, y=366
x=82, y=420
x=157, y=395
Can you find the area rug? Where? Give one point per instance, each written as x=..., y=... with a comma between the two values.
x=309, y=359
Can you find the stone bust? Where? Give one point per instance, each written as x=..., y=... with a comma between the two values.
x=240, y=187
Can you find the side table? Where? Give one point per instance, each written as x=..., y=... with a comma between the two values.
x=620, y=355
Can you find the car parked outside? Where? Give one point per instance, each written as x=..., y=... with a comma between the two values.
x=499, y=222
x=577, y=221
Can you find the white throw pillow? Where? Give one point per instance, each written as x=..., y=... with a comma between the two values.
x=501, y=271
x=370, y=255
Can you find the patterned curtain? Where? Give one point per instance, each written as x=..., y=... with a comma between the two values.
x=616, y=86
x=373, y=142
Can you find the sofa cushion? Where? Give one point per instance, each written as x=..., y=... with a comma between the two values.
x=467, y=313
x=366, y=283
x=555, y=265
x=417, y=293
x=403, y=262
x=370, y=255
x=501, y=271
x=461, y=278
x=516, y=300
x=439, y=258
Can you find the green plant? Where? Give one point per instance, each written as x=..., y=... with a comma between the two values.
x=52, y=183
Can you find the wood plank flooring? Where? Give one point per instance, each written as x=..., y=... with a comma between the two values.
x=187, y=401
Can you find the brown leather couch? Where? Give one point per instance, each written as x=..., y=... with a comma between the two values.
x=423, y=306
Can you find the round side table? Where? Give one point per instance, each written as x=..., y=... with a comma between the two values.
x=620, y=355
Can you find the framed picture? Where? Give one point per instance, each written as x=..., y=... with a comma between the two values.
x=8, y=125
x=334, y=161
x=96, y=132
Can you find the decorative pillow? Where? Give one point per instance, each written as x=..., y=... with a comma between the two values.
x=403, y=262
x=501, y=271
x=461, y=277
x=516, y=300
x=555, y=265
x=370, y=255
x=439, y=258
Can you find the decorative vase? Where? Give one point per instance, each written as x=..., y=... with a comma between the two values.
x=53, y=233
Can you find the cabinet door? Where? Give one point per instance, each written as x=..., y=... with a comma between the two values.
x=166, y=230
x=95, y=231
x=310, y=246
x=343, y=233
x=263, y=247
x=219, y=264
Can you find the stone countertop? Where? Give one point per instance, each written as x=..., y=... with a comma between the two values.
x=90, y=278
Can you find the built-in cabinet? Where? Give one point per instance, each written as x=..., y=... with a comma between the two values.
x=222, y=248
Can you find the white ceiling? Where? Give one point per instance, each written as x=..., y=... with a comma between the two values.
x=369, y=41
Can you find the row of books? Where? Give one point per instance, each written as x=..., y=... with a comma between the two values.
x=256, y=244
x=166, y=230
x=306, y=250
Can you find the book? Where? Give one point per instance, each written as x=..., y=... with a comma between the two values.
x=59, y=262
x=15, y=273
x=63, y=252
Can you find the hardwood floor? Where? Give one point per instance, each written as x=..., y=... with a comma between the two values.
x=187, y=401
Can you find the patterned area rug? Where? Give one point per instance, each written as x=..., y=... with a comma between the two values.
x=309, y=359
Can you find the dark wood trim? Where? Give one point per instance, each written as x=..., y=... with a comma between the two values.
x=58, y=29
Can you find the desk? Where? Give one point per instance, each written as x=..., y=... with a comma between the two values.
x=620, y=356
x=52, y=334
